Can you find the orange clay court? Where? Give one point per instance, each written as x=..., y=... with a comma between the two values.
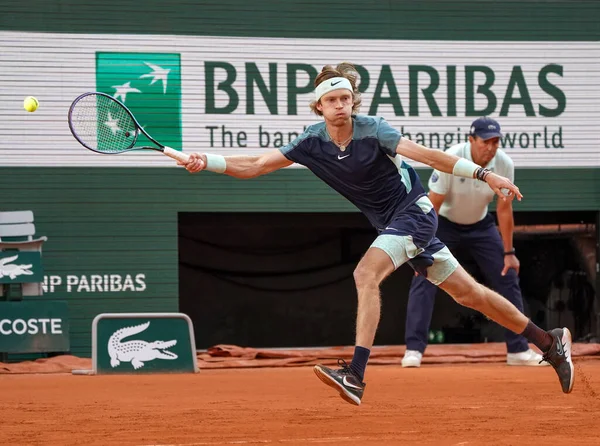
x=438, y=404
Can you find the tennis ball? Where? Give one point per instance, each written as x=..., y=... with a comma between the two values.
x=30, y=104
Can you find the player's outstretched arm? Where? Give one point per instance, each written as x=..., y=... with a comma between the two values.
x=238, y=166
x=446, y=162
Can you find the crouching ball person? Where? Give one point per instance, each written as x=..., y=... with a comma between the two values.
x=361, y=158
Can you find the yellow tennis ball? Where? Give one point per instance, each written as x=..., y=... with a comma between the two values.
x=30, y=104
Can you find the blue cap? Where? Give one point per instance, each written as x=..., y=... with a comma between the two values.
x=485, y=128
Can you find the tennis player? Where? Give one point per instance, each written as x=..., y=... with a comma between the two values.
x=361, y=158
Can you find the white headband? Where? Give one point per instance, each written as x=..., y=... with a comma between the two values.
x=335, y=83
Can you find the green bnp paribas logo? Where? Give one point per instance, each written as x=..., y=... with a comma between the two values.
x=149, y=84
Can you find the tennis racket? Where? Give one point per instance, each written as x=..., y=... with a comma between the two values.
x=105, y=125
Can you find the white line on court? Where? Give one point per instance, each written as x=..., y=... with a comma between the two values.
x=282, y=440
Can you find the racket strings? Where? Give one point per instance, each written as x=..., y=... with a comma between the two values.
x=103, y=125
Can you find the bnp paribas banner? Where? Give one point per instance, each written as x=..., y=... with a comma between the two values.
x=248, y=95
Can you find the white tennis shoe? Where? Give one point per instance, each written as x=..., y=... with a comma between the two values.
x=526, y=358
x=412, y=358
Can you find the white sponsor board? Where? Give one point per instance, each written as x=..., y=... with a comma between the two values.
x=248, y=95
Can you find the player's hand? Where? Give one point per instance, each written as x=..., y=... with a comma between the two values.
x=511, y=262
x=503, y=187
x=195, y=163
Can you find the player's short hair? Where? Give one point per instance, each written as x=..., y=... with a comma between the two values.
x=346, y=70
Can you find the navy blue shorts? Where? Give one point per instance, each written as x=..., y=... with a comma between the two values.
x=411, y=238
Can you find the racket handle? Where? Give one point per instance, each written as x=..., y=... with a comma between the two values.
x=176, y=154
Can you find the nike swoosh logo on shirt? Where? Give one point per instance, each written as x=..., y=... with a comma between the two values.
x=342, y=157
x=348, y=384
x=335, y=83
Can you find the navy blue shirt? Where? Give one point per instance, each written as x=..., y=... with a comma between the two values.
x=368, y=173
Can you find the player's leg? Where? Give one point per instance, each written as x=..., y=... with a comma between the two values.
x=373, y=268
x=398, y=243
x=556, y=344
x=487, y=249
x=466, y=291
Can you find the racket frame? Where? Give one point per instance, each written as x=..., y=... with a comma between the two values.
x=172, y=153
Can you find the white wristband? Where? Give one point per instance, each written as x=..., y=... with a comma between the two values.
x=465, y=168
x=215, y=163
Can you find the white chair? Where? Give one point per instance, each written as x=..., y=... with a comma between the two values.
x=17, y=232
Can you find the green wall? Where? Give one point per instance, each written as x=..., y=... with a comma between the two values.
x=391, y=19
x=123, y=220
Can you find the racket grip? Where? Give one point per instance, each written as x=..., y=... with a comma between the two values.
x=176, y=154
